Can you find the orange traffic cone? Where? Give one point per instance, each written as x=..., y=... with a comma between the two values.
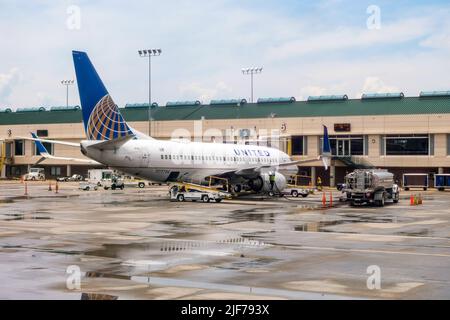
x=324, y=200
x=49, y=186
x=56, y=187
x=411, y=200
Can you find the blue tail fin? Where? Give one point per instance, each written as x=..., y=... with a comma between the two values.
x=326, y=141
x=326, y=149
x=101, y=116
x=39, y=145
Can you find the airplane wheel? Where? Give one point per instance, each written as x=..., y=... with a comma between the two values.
x=237, y=188
x=180, y=198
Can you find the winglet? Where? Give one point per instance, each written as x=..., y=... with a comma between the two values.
x=326, y=149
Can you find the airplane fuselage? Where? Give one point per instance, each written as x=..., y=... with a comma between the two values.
x=163, y=161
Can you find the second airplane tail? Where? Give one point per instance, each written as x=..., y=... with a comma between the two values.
x=326, y=149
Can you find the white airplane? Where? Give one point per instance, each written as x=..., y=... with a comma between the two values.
x=112, y=142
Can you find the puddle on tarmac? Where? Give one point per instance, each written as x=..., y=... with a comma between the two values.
x=97, y=296
x=245, y=264
x=420, y=233
x=13, y=199
x=322, y=226
x=221, y=287
x=21, y=216
x=254, y=214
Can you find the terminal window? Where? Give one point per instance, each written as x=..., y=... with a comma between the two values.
x=298, y=145
x=347, y=145
x=42, y=133
x=55, y=171
x=402, y=145
x=448, y=144
x=19, y=147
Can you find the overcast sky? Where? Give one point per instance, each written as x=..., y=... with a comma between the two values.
x=305, y=47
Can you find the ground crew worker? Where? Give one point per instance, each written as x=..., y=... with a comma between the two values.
x=271, y=179
x=319, y=184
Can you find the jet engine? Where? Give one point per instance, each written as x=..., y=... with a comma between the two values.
x=262, y=183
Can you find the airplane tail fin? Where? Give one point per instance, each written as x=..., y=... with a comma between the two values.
x=40, y=147
x=101, y=116
x=326, y=149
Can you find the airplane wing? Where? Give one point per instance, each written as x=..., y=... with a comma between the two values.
x=65, y=143
x=110, y=144
x=45, y=155
x=253, y=172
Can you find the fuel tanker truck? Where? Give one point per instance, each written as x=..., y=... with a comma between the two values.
x=370, y=186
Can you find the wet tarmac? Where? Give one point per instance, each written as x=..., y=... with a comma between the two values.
x=135, y=244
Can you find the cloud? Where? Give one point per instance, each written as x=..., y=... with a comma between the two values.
x=305, y=48
x=345, y=38
x=204, y=94
x=309, y=90
x=376, y=85
x=437, y=41
x=8, y=81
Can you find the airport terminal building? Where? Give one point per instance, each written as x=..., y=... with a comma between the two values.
x=402, y=134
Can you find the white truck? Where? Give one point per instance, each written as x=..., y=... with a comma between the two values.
x=114, y=183
x=35, y=174
x=371, y=186
x=180, y=194
x=294, y=191
x=99, y=176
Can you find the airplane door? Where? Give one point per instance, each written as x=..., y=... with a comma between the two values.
x=145, y=160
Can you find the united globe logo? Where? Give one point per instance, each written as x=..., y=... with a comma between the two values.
x=106, y=122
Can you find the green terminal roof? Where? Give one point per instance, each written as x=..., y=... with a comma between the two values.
x=351, y=107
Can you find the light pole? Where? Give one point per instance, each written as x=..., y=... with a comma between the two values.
x=144, y=54
x=251, y=72
x=67, y=83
